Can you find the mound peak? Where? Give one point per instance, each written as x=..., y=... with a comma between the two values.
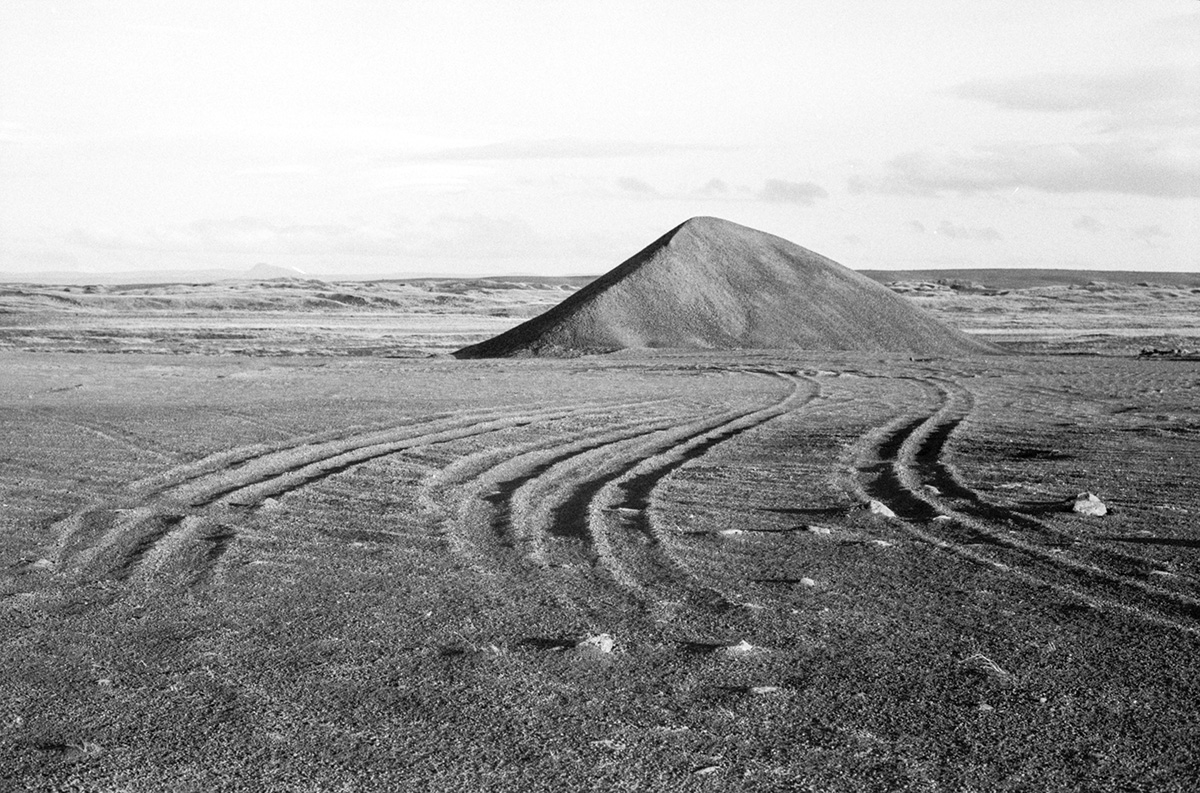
x=714, y=284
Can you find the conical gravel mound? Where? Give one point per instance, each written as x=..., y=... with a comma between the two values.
x=713, y=284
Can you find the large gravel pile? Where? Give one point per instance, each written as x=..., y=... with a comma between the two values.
x=713, y=284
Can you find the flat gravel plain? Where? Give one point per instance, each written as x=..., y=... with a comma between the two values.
x=332, y=573
x=760, y=570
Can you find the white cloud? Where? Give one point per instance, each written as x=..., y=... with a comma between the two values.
x=1139, y=135
x=955, y=232
x=781, y=191
x=1149, y=233
x=442, y=237
x=636, y=186
x=1109, y=93
x=1127, y=165
x=714, y=187
x=550, y=149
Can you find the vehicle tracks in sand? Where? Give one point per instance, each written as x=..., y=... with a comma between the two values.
x=172, y=529
x=586, y=504
x=904, y=465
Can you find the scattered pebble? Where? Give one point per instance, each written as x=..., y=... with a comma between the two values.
x=1089, y=504
x=880, y=508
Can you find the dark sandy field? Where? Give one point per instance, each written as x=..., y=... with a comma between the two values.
x=271, y=536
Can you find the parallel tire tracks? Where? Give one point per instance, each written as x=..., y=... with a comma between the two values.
x=174, y=527
x=586, y=504
x=903, y=465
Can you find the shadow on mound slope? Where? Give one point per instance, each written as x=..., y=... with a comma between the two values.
x=713, y=284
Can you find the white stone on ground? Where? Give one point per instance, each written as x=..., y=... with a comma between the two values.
x=1089, y=504
x=600, y=643
x=880, y=508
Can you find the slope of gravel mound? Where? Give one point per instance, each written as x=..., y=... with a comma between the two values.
x=713, y=284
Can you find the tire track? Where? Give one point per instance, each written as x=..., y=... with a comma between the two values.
x=589, y=510
x=620, y=517
x=552, y=504
x=899, y=463
x=180, y=523
x=477, y=495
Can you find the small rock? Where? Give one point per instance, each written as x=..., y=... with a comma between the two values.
x=880, y=508
x=808, y=582
x=1089, y=504
x=762, y=690
x=741, y=648
x=942, y=518
x=600, y=643
x=40, y=564
x=933, y=491
x=731, y=532
x=706, y=770
x=823, y=531
x=881, y=543
x=610, y=745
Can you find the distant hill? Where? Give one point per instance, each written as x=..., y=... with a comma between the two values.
x=1025, y=279
x=259, y=272
x=713, y=284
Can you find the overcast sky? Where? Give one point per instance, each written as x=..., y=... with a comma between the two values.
x=531, y=136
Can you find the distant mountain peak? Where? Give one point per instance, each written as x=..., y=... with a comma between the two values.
x=264, y=271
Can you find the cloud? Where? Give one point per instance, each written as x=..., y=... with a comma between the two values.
x=1148, y=234
x=1127, y=165
x=548, y=149
x=1082, y=92
x=1087, y=223
x=780, y=191
x=956, y=232
x=1142, y=138
x=445, y=236
x=632, y=185
x=714, y=187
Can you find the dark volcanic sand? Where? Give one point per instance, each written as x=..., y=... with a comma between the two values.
x=315, y=573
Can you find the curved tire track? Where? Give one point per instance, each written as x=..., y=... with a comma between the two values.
x=587, y=504
x=897, y=464
x=179, y=524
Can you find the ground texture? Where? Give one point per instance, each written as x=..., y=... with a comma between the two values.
x=318, y=572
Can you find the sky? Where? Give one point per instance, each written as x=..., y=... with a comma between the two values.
x=470, y=137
